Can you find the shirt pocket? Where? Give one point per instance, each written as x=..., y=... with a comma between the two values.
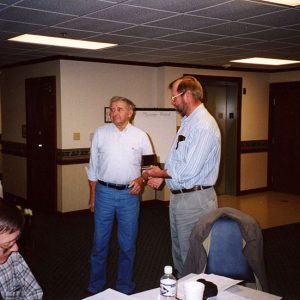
x=135, y=155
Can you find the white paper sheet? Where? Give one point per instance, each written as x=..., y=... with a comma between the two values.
x=227, y=296
x=110, y=294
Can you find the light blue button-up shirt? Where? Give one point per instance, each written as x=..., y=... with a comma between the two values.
x=197, y=157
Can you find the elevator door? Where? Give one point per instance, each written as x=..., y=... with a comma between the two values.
x=222, y=98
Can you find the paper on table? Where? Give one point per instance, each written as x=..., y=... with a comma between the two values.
x=110, y=294
x=221, y=282
x=227, y=296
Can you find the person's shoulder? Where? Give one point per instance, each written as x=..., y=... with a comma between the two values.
x=136, y=129
x=103, y=128
x=15, y=258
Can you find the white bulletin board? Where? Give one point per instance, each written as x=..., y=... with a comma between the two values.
x=160, y=125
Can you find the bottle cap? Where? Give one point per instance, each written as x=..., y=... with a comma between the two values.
x=168, y=270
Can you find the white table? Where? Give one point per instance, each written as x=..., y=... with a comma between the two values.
x=153, y=294
x=236, y=290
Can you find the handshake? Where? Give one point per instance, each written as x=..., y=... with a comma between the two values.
x=152, y=174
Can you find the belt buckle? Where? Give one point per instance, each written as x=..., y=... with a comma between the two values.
x=120, y=187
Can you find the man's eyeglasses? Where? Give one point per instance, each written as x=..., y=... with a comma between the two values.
x=12, y=243
x=174, y=97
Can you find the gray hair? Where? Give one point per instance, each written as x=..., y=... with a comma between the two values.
x=11, y=219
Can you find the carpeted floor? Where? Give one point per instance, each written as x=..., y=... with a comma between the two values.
x=59, y=247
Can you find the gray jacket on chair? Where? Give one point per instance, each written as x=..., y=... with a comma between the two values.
x=197, y=256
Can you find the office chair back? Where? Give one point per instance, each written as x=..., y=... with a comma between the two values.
x=225, y=255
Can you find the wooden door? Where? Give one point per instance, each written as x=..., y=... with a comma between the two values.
x=284, y=134
x=41, y=142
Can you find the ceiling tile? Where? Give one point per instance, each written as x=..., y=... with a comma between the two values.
x=287, y=17
x=160, y=44
x=190, y=37
x=73, y=7
x=202, y=32
x=196, y=48
x=18, y=26
x=185, y=22
x=291, y=40
x=32, y=16
x=265, y=46
x=130, y=14
x=272, y=34
x=114, y=38
x=175, y=5
x=93, y=25
x=231, y=41
x=236, y=10
x=233, y=28
x=146, y=31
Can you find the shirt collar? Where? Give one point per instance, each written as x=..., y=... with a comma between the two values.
x=194, y=113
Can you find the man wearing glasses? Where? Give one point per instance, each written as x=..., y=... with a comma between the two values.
x=192, y=165
x=16, y=279
x=115, y=182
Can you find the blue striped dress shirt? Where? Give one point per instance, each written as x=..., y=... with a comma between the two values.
x=194, y=157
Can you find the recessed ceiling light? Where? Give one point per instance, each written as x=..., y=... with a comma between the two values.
x=285, y=2
x=265, y=61
x=60, y=42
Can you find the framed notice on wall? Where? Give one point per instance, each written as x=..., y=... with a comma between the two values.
x=106, y=115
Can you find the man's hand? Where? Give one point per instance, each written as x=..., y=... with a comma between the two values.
x=155, y=183
x=136, y=186
x=155, y=171
x=91, y=204
x=92, y=185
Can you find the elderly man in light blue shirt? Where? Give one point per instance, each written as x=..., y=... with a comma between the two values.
x=192, y=165
x=115, y=181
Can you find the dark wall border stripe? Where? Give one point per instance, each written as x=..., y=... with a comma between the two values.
x=63, y=156
x=254, y=146
x=73, y=156
x=81, y=155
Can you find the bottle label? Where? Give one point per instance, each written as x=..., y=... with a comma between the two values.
x=168, y=288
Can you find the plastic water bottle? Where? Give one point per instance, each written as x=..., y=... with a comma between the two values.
x=168, y=285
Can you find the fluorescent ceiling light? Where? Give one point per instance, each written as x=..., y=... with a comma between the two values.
x=285, y=2
x=60, y=42
x=265, y=61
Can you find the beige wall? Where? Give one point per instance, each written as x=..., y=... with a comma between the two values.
x=87, y=88
x=285, y=76
x=84, y=88
x=253, y=170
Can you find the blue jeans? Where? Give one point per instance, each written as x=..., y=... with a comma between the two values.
x=109, y=203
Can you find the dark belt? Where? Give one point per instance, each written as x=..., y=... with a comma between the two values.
x=115, y=186
x=195, y=188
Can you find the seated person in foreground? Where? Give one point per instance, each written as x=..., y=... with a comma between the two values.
x=16, y=279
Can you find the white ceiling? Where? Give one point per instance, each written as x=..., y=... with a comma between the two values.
x=159, y=32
